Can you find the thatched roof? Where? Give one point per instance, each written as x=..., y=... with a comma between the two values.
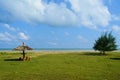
x=22, y=47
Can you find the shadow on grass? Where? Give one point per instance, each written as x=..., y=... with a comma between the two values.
x=11, y=59
x=115, y=58
x=94, y=54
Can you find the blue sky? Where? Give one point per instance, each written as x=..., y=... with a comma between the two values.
x=57, y=23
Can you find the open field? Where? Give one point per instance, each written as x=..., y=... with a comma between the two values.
x=60, y=66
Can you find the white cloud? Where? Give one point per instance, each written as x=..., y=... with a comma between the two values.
x=23, y=36
x=116, y=17
x=90, y=13
x=116, y=28
x=6, y=36
x=52, y=43
x=81, y=38
x=3, y=37
x=59, y=15
x=9, y=27
x=67, y=34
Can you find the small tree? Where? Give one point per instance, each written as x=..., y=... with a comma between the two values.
x=105, y=43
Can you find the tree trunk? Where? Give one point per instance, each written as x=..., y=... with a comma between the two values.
x=23, y=54
x=103, y=52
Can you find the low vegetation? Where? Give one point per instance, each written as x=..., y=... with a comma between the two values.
x=60, y=66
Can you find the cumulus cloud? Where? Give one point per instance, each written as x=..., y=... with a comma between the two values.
x=116, y=17
x=23, y=36
x=10, y=33
x=9, y=27
x=116, y=28
x=80, y=12
x=6, y=36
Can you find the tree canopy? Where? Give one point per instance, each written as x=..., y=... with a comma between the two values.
x=106, y=42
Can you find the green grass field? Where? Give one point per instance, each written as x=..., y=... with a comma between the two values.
x=71, y=66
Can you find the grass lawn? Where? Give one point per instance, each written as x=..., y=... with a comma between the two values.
x=72, y=66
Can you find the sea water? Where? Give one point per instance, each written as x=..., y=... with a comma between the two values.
x=52, y=49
